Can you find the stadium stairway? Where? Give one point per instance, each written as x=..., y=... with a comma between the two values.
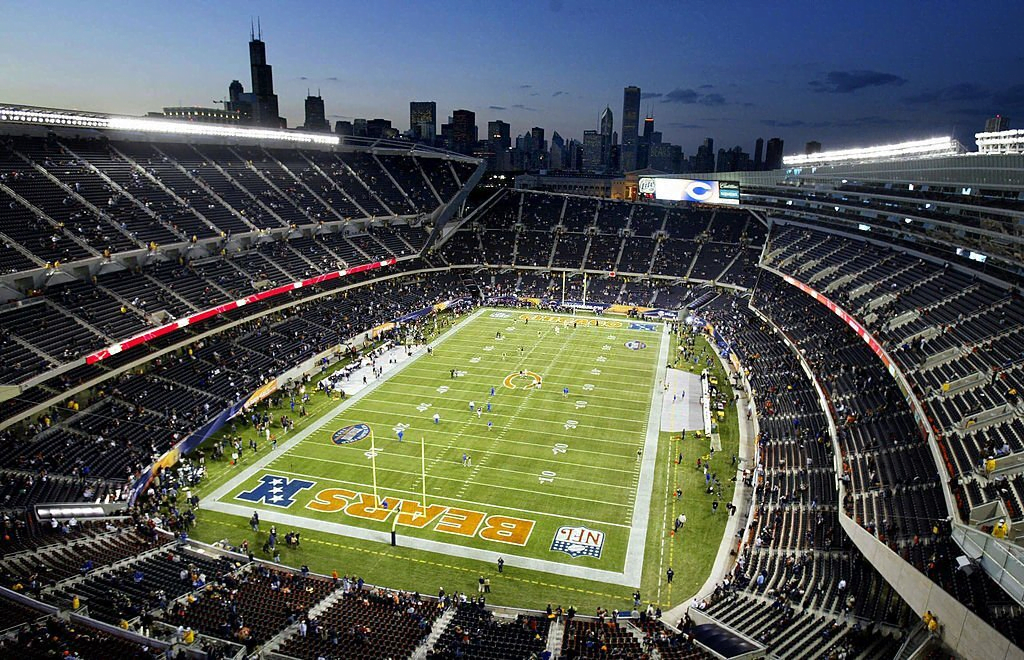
x=439, y=626
x=285, y=633
x=555, y=634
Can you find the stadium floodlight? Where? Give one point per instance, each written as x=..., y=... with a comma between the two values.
x=917, y=149
x=216, y=130
x=1011, y=141
x=44, y=117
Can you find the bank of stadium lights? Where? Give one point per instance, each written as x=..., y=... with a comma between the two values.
x=1001, y=142
x=136, y=124
x=944, y=146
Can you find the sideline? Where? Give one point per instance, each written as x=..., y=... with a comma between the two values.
x=736, y=522
x=634, y=567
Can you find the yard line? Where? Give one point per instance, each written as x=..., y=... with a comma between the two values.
x=495, y=415
x=416, y=495
x=392, y=413
x=413, y=474
x=531, y=459
x=609, y=366
x=562, y=436
x=591, y=395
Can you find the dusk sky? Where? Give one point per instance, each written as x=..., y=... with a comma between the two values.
x=844, y=73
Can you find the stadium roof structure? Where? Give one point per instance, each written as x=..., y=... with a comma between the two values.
x=55, y=118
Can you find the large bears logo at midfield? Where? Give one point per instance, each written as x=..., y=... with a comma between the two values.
x=635, y=345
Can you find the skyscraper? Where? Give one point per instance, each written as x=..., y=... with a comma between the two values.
x=539, y=155
x=812, y=147
x=423, y=120
x=704, y=160
x=643, y=150
x=265, y=110
x=316, y=120
x=593, y=151
x=463, y=131
x=773, y=154
x=630, y=121
x=558, y=156
x=499, y=137
x=996, y=124
x=758, y=153
x=607, y=132
x=539, y=143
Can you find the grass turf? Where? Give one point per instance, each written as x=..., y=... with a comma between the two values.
x=594, y=479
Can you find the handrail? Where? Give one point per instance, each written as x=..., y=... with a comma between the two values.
x=1002, y=560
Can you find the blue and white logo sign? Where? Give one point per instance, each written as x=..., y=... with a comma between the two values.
x=578, y=542
x=635, y=345
x=350, y=434
x=500, y=315
x=275, y=491
x=635, y=325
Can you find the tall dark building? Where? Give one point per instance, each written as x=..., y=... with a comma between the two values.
x=343, y=128
x=759, y=153
x=996, y=124
x=423, y=120
x=557, y=154
x=265, y=110
x=539, y=143
x=499, y=137
x=630, y=121
x=607, y=133
x=704, y=160
x=643, y=150
x=463, y=137
x=316, y=119
x=812, y=147
x=773, y=154
x=593, y=151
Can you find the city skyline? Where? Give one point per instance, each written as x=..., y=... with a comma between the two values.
x=844, y=76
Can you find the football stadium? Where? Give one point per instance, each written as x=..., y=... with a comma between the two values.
x=288, y=394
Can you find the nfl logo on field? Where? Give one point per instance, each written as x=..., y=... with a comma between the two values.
x=578, y=542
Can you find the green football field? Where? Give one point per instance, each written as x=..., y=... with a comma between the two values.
x=530, y=472
x=325, y=488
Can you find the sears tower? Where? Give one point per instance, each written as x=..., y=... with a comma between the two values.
x=264, y=110
x=630, y=120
